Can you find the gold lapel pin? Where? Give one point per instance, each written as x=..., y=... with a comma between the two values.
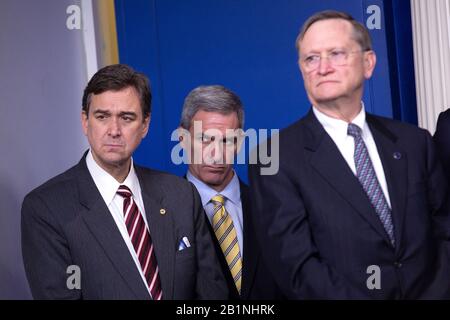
x=162, y=211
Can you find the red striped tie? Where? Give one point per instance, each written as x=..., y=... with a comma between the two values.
x=142, y=242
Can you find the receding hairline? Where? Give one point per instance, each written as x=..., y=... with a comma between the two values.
x=352, y=23
x=303, y=33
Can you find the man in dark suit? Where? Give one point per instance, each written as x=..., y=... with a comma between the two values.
x=358, y=207
x=109, y=229
x=442, y=140
x=211, y=133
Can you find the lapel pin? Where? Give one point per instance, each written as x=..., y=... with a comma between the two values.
x=162, y=211
x=397, y=155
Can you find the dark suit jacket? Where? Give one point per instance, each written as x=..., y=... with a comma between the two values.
x=322, y=233
x=257, y=282
x=442, y=141
x=66, y=222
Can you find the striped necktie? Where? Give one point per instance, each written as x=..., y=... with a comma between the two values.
x=142, y=242
x=368, y=179
x=226, y=235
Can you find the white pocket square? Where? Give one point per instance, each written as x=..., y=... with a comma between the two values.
x=184, y=243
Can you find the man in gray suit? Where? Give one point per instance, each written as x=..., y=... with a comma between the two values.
x=108, y=229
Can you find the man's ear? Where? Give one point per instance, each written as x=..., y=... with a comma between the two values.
x=370, y=60
x=146, y=125
x=84, y=122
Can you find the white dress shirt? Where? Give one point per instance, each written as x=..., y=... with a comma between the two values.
x=107, y=185
x=233, y=204
x=337, y=130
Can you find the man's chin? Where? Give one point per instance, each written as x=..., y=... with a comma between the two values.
x=115, y=160
x=214, y=179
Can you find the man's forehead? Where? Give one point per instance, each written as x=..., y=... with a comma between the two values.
x=326, y=41
x=217, y=120
x=330, y=24
x=329, y=31
x=219, y=132
x=125, y=100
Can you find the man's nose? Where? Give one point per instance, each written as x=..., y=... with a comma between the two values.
x=114, y=127
x=214, y=153
x=217, y=152
x=324, y=65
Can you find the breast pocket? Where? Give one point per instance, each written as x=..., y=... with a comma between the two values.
x=185, y=255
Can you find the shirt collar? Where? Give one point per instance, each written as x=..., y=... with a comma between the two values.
x=338, y=126
x=232, y=191
x=106, y=184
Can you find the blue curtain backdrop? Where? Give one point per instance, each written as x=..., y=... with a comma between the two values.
x=248, y=46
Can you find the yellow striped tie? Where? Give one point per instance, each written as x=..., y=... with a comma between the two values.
x=226, y=234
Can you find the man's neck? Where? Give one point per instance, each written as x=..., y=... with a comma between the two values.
x=219, y=187
x=118, y=172
x=346, y=111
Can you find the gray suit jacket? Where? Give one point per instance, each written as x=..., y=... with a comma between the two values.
x=66, y=222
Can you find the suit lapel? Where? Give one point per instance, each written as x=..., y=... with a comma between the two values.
x=395, y=166
x=160, y=225
x=98, y=219
x=327, y=160
x=251, y=249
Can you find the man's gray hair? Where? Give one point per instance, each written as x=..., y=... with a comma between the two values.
x=360, y=33
x=213, y=98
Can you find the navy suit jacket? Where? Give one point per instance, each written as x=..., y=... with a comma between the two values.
x=442, y=141
x=257, y=282
x=66, y=222
x=324, y=237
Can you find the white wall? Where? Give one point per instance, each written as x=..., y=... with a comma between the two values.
x=42, y=75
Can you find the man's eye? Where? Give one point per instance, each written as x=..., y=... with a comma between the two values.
x=310, y=59
x=337, y=53
x=128, y=119
x=229, y=141
x=204, y=139
x=100, y=117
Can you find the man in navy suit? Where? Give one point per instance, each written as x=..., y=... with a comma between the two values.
x=358, y=208
x=109, y=229
x=211, y=133
x=442, y=140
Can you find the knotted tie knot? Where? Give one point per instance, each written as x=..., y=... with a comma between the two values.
x=218, y=200
x=124, y=191
x=353, y=130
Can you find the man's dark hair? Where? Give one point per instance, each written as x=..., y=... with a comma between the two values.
x=117, y=77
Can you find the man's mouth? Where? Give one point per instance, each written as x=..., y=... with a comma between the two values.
x=113, y=145
x=215, y=168
x=325, y=82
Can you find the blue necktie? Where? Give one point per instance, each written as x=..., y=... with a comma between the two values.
x=368, y=179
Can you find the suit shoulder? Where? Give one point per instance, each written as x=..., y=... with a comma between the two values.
x=293, y=129
x=397, y=127
x=443, y=124
x=164, y=179
x=444, y=116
